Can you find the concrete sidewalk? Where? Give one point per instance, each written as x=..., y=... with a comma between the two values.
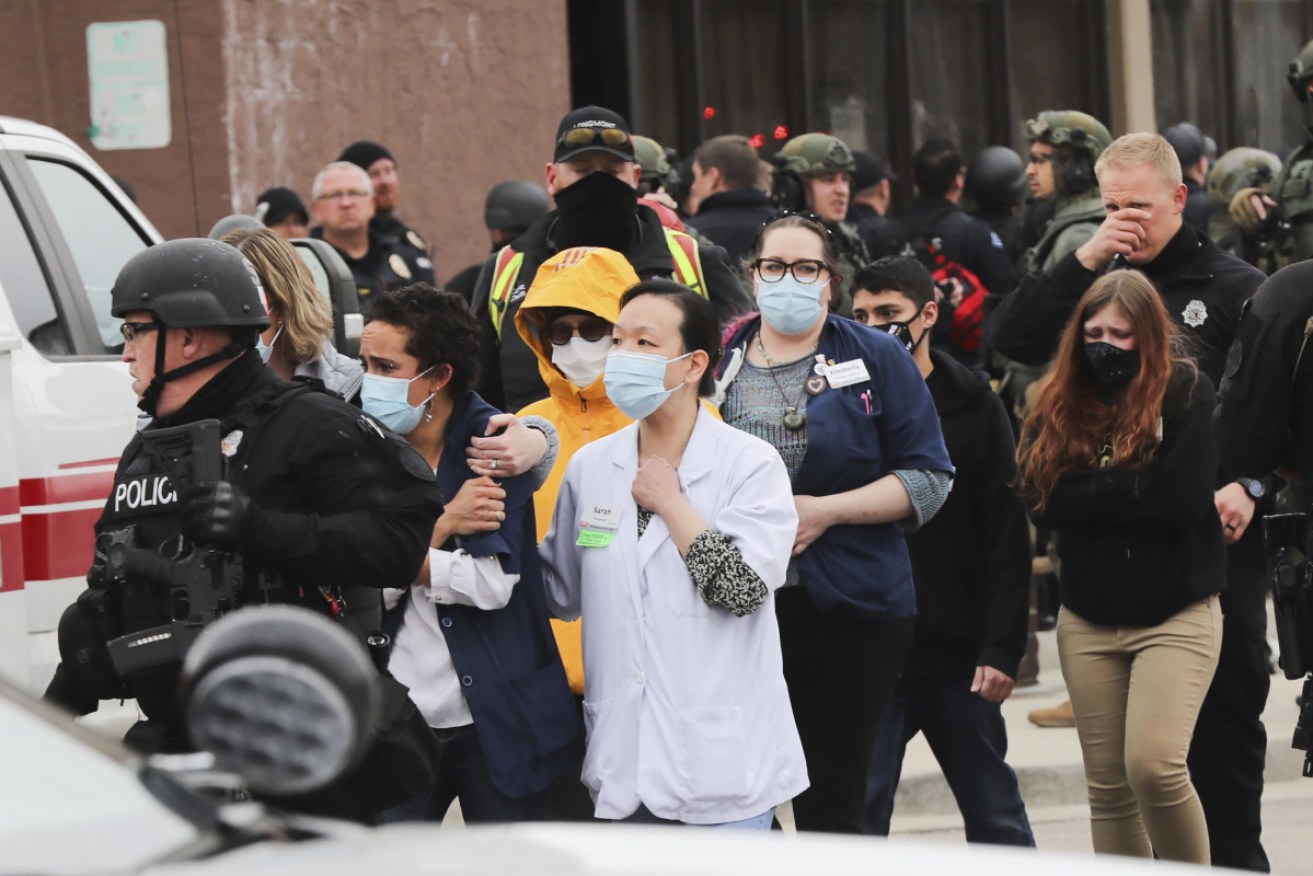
x=1048, y=760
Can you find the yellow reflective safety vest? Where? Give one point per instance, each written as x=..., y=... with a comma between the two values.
x=683, y=252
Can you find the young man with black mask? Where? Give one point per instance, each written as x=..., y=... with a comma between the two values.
x=593, y=179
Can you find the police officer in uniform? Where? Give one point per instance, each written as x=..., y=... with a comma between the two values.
x=343, y=203
x=1064, y=145
x=996, y=187
x=322, y=506
x=1284, y=215
x=508, y=211
x=375, y=160
x=815, y=172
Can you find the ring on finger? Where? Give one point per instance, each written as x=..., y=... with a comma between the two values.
x=493, y=465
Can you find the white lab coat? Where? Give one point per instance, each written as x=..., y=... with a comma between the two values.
x=685, y=705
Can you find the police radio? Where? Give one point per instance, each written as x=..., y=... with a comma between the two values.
x=202, y=583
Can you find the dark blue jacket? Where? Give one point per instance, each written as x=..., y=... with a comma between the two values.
x=510, y=670
x=862, y=570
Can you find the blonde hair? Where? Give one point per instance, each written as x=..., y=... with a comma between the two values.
x=1136, y=150
x=307, y=316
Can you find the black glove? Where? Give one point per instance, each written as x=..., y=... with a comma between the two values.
x=216, y=515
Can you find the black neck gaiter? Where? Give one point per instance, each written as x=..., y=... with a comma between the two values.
x=598, y=210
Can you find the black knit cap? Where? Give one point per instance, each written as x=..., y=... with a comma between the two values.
x=276, y=204
x=364, y=153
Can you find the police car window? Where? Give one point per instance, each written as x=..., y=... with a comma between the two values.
x=24, y=285
x=99, y=237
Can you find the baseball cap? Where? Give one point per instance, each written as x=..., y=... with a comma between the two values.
x=871, y=169
x=1188, y=141
x=593, y=128
x=275, y=204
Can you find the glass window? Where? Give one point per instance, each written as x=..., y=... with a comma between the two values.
x=26, y=287
x=751, y=70
x=99, y=237
x=1187, y=75
x=1268, y=35
x=949, y=53
x=1051, y=70
x=850, y=51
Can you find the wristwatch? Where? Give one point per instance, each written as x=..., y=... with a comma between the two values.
x=1254, y=487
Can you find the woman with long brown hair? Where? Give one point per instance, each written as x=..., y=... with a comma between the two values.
x=1117, y=456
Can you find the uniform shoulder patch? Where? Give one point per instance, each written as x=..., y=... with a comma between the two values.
x=415, y=240
x=399, y=266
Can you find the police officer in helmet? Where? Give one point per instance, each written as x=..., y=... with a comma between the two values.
x=1244, y=167
x=1283, y=216
x=815, y=172
x=316, y=505
x=996, y=186
x=508, y=211
x=1064, y=145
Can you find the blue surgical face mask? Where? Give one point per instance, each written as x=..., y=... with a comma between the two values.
x=788, y=306
x=266, y=349
x=636, y=382
x=387, y=399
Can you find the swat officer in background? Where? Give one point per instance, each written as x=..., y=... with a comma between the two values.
x=1240, y=168
x=1064, y=145
x=322, y=505
x=508, y=211
x=996, y=187
x=815, y=172
x=343, y=203
x=375, y=160
x=1284, y=216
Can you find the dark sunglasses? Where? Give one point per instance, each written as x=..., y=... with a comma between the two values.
x=132, y=330
x=559, y=332
x=576, y=137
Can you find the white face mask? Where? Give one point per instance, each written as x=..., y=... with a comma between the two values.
x=582, y=362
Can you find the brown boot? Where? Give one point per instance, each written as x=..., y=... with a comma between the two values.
x=1056, y=716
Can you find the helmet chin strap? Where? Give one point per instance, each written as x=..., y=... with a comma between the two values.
x=151, y=397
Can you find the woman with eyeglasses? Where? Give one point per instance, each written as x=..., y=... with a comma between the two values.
x=670, y=537
x=850, y=414
x=1117, y=456
x=471, y=641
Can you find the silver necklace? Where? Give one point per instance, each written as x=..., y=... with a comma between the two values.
x=794, y=419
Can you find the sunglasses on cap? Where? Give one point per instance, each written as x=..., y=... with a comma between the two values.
x=594, y=329
x=577, y=137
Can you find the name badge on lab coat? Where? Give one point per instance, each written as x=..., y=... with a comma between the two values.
x=598, y=525
x=847, y=373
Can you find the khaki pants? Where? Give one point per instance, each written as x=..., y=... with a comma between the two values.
x=1136, y=692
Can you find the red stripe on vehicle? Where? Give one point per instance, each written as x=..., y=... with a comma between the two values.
x=95, y=486
x=88, y=463
x=58, y=545
x=9, y=503
x=11, y=556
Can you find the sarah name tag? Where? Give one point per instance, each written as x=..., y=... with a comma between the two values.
x=598, y=525
x=847, y=373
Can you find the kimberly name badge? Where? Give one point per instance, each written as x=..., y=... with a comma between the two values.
x=847, y=373
x=597, y=525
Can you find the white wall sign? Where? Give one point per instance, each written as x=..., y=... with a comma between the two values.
x=128, y=65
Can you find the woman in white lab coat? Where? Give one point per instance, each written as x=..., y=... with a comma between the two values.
x=670, y=537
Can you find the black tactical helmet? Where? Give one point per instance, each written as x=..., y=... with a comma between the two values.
x=1301, y=72
x=996, y=175
x=1240, y=168
x=514, y=204
x=189, y=283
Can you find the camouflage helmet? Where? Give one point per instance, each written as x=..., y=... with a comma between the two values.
x=651, y=157
x=1240, y=168
x=816, y=154
x=1070, y=128
x=1301, y=72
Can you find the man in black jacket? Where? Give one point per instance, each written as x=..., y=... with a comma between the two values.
x=971, y=564
x=730, y=207
x=594, y=181
x=1204, y=290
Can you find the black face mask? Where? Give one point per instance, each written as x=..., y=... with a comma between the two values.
x=903, y=332
x=598, y=210
x=1111, y=366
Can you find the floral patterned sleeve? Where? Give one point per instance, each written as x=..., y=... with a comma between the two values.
x=718, y=571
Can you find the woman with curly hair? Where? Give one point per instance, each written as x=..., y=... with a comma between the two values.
x=471, y=637
x=1117, y=456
